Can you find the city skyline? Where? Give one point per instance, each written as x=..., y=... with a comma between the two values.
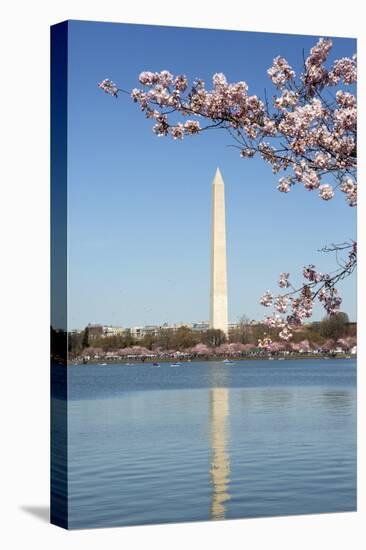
x=139, y=206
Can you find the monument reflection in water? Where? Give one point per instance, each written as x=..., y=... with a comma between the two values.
x=220, y=459
x=220, y=463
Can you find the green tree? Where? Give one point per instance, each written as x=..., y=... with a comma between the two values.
x=148, y=341
x=165, y=338
x=213, y=337
x=128, y=339
x=260, y=331
x=85, y=339
x=185, y=338
x=334, y=326
x=75, y=342
x=242, y=333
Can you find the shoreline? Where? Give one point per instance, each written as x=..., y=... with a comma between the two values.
x=105, y=361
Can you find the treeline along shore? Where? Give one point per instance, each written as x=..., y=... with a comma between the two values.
x=333, y=336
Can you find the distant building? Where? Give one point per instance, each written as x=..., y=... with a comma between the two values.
x=201, y=327
x=137, y=332
x=95, y=331
x=151, y=330
x=177, y=326
x=108, y=330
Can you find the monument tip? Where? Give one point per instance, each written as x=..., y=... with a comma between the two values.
x=218, y=177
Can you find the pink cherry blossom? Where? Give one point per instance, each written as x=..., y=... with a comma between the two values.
x=349, y=187
x=247, y=153
x=330, y=299
x=192, y=127
x=180, y=83
x=177, y=132
x=326, y=192
x=108, y=87
x=280, y=72
x=285, y=334
x=315, y=72
x=322, y=160
x=285, y=185
x=291, y=308
x=283, y=281
x=267, y=299
x=344, y=69
x=311, y=274
x=310, y=179
x=265, y=343
x=280, y=304
x=274, y=321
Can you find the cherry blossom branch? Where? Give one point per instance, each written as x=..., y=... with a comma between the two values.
x=290, y=311
x=304, y=136
x=320, y=136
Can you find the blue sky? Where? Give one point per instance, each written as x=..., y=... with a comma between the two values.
x=139, y=205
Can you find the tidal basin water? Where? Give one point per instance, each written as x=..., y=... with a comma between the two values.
x=207, y=440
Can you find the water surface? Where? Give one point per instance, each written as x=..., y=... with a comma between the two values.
x=210, y=441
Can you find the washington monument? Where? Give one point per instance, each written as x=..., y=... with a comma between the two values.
x=218, y=298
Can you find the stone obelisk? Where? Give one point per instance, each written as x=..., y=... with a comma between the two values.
x=218, y=299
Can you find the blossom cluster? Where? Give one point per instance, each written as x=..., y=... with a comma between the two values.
x=326, y=192
x=330, y=298
x=283, y=281
x=312, y=275
x=291, y=308
x=285, y=334
x=316, y=74
x=349, y=187
x=109, y=87
x=265, y=343
x=274, y=321
x=224, y=102
x=266, y=299
x=280, y=72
